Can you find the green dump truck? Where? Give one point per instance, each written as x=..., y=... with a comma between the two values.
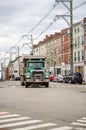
x=32, y=71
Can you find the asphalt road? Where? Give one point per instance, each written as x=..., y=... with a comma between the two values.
x=62, y=105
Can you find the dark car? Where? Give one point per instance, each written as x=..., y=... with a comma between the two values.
x=73, y=78
x=17, y=78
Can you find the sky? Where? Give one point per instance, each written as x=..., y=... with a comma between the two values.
x=19, y=17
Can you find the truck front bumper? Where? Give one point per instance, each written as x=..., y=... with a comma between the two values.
x=37, y=81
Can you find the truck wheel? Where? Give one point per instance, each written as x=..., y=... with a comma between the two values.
x=22, y=84
x=69, y=81
x=26, y=85
x=64, y=81
x=80, y=82
x=47, y=85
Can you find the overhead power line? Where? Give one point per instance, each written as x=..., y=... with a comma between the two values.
x=55, y=4
x=46, y=28
x=56, y=18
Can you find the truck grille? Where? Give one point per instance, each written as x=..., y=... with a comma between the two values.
x=37, y=76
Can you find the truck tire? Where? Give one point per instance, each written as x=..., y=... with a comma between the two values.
x=47, y=85
x=26, y=85
x=69, y=81
x=22, y=84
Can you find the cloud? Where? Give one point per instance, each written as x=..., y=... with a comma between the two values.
x=18, y=17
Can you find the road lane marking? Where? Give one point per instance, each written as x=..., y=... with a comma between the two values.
x=62, y=128
x=20, y=123
x=7, y=116
x=35, y=126
x=14, y=119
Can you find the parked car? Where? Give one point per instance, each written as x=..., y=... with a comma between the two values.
x=17, y=78
x=51, y=77
x=58, y=78
x=73, y=78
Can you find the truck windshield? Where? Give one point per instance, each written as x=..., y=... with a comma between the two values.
x=36, y=65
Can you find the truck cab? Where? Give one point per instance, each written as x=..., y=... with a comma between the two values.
x=35, y=72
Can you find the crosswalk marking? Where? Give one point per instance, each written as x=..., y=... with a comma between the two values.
x=36, y=126
x=3, y=113
x=80, y=128
x=62, y=128
x=8, y=120
x=14, y=119
x=79, y=124
x=81, y=121
x=83, y=118
x=20, y=123
x=7, y=116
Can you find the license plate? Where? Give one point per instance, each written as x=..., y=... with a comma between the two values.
x=37, y=80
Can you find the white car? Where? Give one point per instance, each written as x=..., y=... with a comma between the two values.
x=58, y=78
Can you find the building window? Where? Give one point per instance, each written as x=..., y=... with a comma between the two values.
x=82, y=55
x=69, y=58
x=78, y=55
x=75, y=30
x=75, y=42
x=15, y=71
x=85, y=41
x=82, y=40
x=36, y=50
x=48, y=53
x=63, y=38
x=59, y=60
x=78, y=41
x=78, y=30
x=54, y=51
x=85, y=55
x=75, y=58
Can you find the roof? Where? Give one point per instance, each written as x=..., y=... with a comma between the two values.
x=33, y=57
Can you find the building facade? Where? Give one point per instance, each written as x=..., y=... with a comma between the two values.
x=57, y=50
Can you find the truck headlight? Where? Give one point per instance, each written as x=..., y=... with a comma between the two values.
x=27, y=76
x=47, y=76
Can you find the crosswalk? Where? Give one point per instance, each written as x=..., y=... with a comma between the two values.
x=18, y=122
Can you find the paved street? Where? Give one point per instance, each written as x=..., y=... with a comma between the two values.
x=59, y=107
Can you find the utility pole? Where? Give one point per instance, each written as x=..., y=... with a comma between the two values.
x=30, y=37
x=11, y=66
x=18, y=59
x=71, y=37
x=32, y=43
x=71, y=28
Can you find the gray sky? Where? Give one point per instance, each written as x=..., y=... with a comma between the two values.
x=18, y=17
